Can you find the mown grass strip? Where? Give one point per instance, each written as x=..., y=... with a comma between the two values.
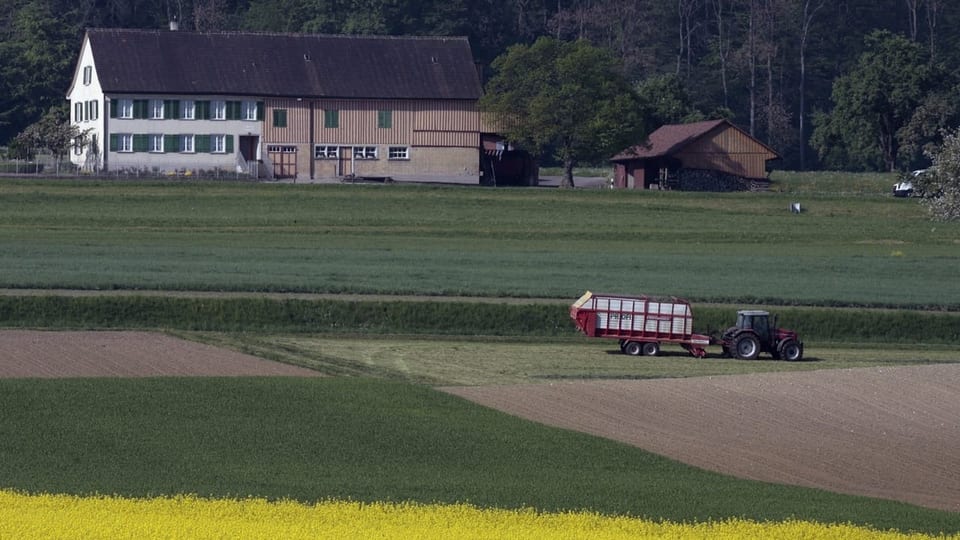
x=368, y=440
x=433, y=317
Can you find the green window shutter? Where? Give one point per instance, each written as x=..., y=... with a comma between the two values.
x=385, y=119
x=201, y=143
x=171, y=143
x=114, y=142
x=280, y=118
x=171, y=108
x=140, y=143
x=331, y=118
x=140, y=108
x=202, y=110
x=260, y=111
x=228, y=144
x=234, y=110
x=114, y=105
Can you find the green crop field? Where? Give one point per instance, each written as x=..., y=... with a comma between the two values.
x=867, y=279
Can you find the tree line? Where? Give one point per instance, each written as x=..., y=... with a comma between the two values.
x=840, y=84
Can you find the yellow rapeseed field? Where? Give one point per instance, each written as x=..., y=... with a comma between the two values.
x=65, y=517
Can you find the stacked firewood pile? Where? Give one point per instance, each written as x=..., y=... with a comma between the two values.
x=709, y=180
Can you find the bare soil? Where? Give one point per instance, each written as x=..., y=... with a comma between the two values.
x=32, y=353
x=891, y=433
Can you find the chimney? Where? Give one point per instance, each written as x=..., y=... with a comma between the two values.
x=174, y=25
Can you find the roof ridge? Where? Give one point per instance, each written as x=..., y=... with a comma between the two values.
x=274, y=34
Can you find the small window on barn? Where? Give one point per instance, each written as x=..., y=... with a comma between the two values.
x=398, y=152
x=385, y=119
x=331, y=118
x=322, y=151
x=364, y=152
x=279, y=118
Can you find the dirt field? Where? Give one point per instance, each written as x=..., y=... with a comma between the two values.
x=29, y=353
x=880, y=432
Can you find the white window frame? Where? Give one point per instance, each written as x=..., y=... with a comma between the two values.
x=218, y=109
x=94, y=110
x=398, y=153
x=326, y=151
x=155, y=143
x=125, y=142
x=125, y=108
x=218, y=144
x=188, y=109
x=364, y=152
x=156, y=109
x=249, y=111
x=187, y=144
x=78, y=112
x=87, y=75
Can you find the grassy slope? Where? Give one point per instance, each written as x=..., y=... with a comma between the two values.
x=365, y=439
x=859, y=247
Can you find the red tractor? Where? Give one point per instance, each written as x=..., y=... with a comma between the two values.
x=754, y=334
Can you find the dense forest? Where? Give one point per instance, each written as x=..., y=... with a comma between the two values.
x=843, y=84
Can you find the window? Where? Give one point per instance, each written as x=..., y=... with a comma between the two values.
x=218, y=110
x=186, y=143
x=124, y=108
x=280, y=118
x=78, y=112
x=326, y=152
x=87, y=75
x=94, y=110
x=155, y=143
x=249, y=110
x=279, y=149
x=364, y=152
x=398, y=152
x=331, y=118
x=124, y=142
x=187, y=109
x=218, y=144
x=156, y=109
x=384, y=119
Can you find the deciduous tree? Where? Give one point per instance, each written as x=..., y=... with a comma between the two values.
x=565, y=96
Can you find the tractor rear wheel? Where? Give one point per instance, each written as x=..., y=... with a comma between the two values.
x=747, y=347
x=790, y=350
x=651, y=348
x=632, y=348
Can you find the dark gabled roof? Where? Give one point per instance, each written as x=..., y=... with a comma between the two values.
x=284, y=65
x=672, y=138
x=668, y=139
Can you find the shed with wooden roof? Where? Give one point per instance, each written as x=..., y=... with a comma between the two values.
x=713, y=155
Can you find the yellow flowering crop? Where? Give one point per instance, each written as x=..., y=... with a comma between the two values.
x=65, y=517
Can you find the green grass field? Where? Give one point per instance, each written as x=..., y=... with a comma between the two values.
x=378, y=432
x=860, y=248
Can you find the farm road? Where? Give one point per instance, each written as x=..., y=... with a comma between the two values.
x=891, y=432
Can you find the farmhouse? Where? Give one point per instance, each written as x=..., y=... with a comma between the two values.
x=702, y=156
x=277, y=105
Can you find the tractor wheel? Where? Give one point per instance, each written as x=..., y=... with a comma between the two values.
x=632, y=348
x=747, y=347
x=790, y=350
x=651, y=348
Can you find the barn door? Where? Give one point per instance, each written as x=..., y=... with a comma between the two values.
x=284, y=159
x=345, y=166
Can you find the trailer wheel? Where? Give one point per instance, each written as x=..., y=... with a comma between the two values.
x=632, y=348
x=790, y=350
x=651, y=348
x=747, y=347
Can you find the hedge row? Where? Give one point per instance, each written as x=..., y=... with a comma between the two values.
x=432, y=317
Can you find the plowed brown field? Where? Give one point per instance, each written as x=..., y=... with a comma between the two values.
x=30, y=353
x=881, y=432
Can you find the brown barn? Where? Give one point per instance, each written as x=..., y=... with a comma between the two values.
x=714, y=155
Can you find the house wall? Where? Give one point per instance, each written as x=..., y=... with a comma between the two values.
x=728, y=150
x=85, y=91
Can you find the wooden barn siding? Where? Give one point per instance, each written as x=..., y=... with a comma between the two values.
x=298, y=122
x=728, y=150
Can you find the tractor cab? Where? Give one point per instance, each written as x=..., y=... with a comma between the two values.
x=756, y=320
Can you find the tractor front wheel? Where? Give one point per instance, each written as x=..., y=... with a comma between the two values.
x=747, y=347
x=790, y=350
